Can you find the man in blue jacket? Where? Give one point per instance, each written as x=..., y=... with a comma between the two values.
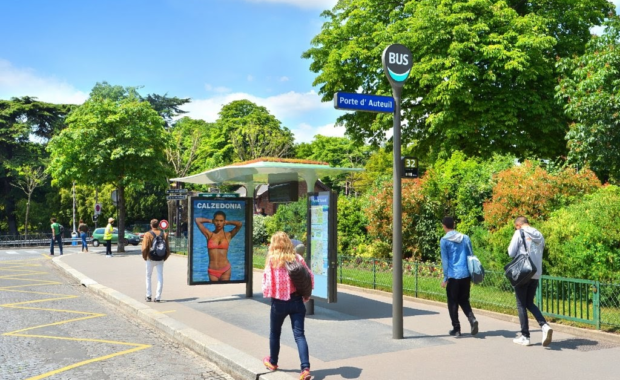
x=455, y=247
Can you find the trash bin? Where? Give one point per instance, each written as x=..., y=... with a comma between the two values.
x=74, y=238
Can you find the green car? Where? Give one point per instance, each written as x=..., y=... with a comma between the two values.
x=99, y=232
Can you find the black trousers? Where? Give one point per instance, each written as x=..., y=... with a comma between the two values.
x=457, y=292
x=525, y=301
x=108, y=247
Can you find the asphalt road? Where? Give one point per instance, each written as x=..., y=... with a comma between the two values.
x=51, y=328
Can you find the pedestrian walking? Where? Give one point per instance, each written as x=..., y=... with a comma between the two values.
x=155, y=250
x=285, y=301
x=83, y=228
x=57, y=231
x=455, y=247
x=107, y=237
x=528, y=240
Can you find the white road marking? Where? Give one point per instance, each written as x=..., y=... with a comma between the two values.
x=33, y=252
x=12, y=252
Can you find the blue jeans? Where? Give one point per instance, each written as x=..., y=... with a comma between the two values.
x=297, y=311
x=83, y=236
x=525, y=301
x=58, y=239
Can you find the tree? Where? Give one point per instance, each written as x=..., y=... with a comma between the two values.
x=247, y=131
x=31, y=178
x=483, y=76
x=25, y=125
x=122, y=142
x=338, y=152
x=589, y=90
x=186, y=136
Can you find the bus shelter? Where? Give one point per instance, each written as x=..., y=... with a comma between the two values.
x=321, y=252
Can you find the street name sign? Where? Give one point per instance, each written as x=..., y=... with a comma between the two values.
x=218, y=195
x=176, y=191
x=363, y=102
x=176, y=197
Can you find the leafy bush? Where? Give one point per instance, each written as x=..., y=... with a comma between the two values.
x=531, y=191
x=352, y=224
x=290, y=218
x=259, y=230
x=583, y=239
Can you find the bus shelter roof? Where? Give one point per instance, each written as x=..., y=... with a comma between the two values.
x=259, y=171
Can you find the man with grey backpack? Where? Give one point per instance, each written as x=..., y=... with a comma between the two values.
x=155, y=250
x=527, y=240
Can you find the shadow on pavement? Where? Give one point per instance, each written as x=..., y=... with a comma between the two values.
x=580, y=344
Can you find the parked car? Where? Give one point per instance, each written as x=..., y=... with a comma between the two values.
x=97, y=238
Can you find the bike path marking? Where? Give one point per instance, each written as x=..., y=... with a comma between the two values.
x=19, y=270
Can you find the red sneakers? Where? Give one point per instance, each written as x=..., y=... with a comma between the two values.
x=305, y=374
x=268, y=365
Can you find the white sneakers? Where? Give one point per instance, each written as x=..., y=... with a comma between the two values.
x=547, y=334
x=523, y=341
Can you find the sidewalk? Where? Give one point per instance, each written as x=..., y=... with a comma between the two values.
x=350, y=339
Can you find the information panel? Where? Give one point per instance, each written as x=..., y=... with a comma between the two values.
x=219, y=240
x=322, y=248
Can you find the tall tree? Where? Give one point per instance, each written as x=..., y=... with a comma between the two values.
x=122, y=142
x=483, y=76
x=246, y=131
x=186, y=136
x=25, y=124
x=589, y=89
x=30, y=178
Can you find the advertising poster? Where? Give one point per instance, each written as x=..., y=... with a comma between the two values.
x=319, y=242
x=219, y=240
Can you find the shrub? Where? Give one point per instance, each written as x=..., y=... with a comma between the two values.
x=352, y=224
x=583, y=239
x=259, y=230
x=531, y=191
x=290, y=218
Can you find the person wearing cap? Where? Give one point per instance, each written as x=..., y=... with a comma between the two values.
x=455, y=247
x=107, y=237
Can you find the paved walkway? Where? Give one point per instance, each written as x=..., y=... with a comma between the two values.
x=350, y=339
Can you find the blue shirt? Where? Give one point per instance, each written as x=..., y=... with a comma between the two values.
x=455, y=247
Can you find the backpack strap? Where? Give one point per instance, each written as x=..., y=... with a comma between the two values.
x=523, y=239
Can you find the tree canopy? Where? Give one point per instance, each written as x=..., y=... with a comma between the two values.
x=590, y=90
x=483, y=77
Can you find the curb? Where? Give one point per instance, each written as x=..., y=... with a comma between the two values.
x=576, y=331
x=234, y=362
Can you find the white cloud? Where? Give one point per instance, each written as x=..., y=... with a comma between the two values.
x=283, y=106
x=16, y=82
x=306, y=4
x=218, y=89
x=284, y=79
x=305, y=132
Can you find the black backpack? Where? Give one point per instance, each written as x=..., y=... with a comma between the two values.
x=61, y=229
x=300, y=276
x=158, y=249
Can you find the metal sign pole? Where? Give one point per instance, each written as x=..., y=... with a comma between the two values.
x=397, y=63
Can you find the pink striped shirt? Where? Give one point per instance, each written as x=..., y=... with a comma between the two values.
x=278, y=284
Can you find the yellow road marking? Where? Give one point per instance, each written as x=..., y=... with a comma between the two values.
x=167, y=311
x=18, y=269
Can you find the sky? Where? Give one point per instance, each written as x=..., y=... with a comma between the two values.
x=212, y=51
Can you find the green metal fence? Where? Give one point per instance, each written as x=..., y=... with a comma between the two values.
x=576, y=300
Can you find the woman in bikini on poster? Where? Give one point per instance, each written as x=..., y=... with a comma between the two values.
x=217, y=244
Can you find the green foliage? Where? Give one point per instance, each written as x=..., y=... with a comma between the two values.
x=589, y=88
x=492, y=247
x=290, y=218
x=259, y=230
x=338, y=152
x=378, y=166
x=188, y=138
x=352, y=223
x=583, y=239
x=483, y=76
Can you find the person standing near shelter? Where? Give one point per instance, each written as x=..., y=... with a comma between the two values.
x=153, y=245
x=56, y=236
x=455, y=247
x=285, y=301
x=528, y=240
x=83, y=228
x=107, y=237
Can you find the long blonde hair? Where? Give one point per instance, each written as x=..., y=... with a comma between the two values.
x=281, y=250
